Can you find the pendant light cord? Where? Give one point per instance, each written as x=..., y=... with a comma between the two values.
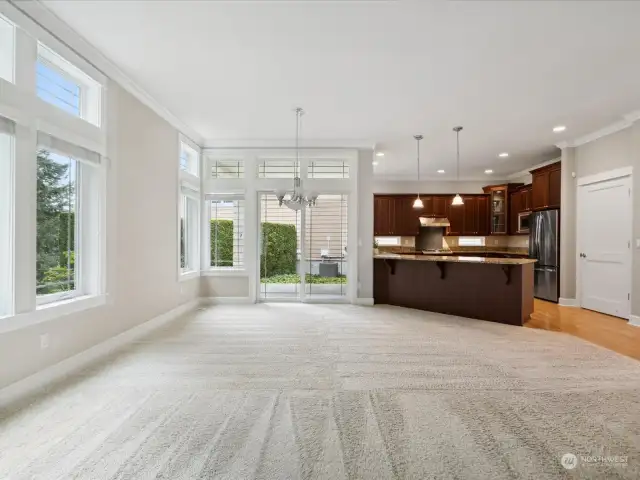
x=418, y=140
x=458, y=155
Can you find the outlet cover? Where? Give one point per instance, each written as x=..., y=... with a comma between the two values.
x=44, y=341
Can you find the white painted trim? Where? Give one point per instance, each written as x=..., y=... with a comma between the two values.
x=225, y=300
x=213, y=272
x=60, y=370
x=190, y=275
x=604, y=176
x=52, y=24
x=568, y=302
x=626, y=121
x=364, y=301
x=486, y=179
x=527, y=171
x=634, y=320
x=51, y=311
x=288, y=144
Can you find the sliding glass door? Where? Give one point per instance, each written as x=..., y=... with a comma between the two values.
x=303, y=254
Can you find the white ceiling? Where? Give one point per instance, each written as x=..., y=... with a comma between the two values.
x=379, y=71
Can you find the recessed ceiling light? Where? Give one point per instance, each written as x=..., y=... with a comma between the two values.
x=379, y=154
x=488, y=171
x=503, y=154
x=440, y=171
x=374, y=163
x=559, y=128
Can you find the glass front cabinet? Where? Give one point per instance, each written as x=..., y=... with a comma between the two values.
x=499, y=207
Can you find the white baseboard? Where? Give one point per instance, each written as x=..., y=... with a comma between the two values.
x=368, y=302
x=634, y=320
x=568, y=302
x=224, y=300
x=49, y=375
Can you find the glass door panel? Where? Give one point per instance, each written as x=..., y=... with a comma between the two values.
x=279, y=243
x=499, y=211
x=325, y=247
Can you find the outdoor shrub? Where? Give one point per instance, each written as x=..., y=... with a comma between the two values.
x=222, y=243
x=279, y=249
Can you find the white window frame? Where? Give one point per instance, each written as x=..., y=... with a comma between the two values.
x=235, y=270
x=90, y=91
x=32, y=116
x=193, y=158
x=189, y=188
x=7, y=143
x=7, y=45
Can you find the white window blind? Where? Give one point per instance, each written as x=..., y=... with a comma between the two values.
x=226, y=168
x=274, y=168
x=329, y=168
x=227, y=229
x=471, y=241
x=62, y=147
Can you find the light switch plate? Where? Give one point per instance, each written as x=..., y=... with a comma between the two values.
x=637, y=242
x=44, y=341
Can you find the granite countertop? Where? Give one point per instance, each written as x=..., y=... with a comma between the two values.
x=454, y=259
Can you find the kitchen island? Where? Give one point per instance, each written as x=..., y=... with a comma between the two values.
x=493, y=289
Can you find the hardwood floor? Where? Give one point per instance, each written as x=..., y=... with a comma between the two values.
x=610, y=332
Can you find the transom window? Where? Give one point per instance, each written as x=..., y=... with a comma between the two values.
x=65, y=86
x=226, y=168
x=274, y=168
x=328, y=169
x=7, y=46
x=189, y=159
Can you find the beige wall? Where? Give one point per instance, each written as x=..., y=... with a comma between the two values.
x=141, y=244
x=620, y=149
x=226, y=286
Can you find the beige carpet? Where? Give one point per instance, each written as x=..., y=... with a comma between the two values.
x=332, y=392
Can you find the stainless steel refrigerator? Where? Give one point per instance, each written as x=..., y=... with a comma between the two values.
x=544, y=246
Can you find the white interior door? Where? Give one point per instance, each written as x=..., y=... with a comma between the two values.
x=604, y=250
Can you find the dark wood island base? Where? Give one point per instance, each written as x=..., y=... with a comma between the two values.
x=493, y=289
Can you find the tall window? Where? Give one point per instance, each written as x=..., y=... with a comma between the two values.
x=7, y=34
x=188, y=233
x=57, y=229
x=6, y=201
x=226, y=221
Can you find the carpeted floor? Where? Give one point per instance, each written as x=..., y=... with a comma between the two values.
x=330, y=392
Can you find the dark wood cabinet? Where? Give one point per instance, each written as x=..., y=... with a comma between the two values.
x=519, y=202
x=499, y=213
x=406, y=222
x=546, y=187
x=440, y=204
x=456, y=219
x=383, y=213
x=483, y=215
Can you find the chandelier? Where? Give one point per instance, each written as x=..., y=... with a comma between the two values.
x=297, y=199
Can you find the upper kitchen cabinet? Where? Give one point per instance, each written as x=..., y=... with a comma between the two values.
x=383, y=215
x=406, y=219
x=440, y=204
x=499, y=207
x=545, y=191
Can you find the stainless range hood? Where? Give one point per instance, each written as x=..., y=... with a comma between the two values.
x=434, y=222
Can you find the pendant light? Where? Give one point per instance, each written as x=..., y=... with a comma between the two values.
x=417, y=203
x=457, y=200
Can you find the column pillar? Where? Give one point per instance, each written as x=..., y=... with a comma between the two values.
x=568, y=225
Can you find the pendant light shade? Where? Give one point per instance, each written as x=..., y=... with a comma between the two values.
x=417, y=203
x=457, y=200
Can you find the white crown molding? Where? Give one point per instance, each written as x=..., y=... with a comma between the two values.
x=487, y=179
x=49, y=21
x=626, y=121
x=287, y=144
x=526, y=171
